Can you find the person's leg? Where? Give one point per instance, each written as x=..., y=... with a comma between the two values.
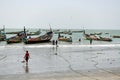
x=26, y=61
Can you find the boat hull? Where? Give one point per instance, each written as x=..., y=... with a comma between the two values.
x=44, y=38
x=32, y=42
x=89, y=37
x=13, y=40
x=8, y=42
x=65, y=39
x=116, y=36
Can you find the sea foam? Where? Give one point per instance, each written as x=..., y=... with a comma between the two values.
x=40, y=46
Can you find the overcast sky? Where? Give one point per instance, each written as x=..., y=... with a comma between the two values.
x=91, y=14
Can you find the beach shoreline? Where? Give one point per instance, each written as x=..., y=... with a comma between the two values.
x=65, y=62
x=80, y=75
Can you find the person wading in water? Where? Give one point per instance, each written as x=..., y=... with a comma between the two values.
x=27, y=56
x=90, y=41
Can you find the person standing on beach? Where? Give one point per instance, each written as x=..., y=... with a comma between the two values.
x=79, y=39
x=90, y=41
x=53, y=42
x=56, y=42
x=27, y=56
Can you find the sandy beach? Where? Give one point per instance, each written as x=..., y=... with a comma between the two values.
x=65, y=62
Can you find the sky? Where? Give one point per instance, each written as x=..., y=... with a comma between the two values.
x=60, y=14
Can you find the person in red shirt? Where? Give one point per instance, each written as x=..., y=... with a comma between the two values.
x=27, y=56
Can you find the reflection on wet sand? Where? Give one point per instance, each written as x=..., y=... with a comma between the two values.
x=55, y=50
x=26, y=68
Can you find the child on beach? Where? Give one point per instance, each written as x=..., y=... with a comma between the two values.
x=27, y=56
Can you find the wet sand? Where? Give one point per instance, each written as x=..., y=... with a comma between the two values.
x=85, y=62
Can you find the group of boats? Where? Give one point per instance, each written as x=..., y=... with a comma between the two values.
x=96, y=37
x=25, y=36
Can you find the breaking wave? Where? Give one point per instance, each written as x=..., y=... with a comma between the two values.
x=39, y=46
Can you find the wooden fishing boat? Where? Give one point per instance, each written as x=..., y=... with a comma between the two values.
x=115, y=36
x=94, y=37
x=33, y=33
x=14, y=39
x=77, y=31
x=99, y=33
x=62, y=38
x=65, y=39
x=106, y=33
x=69, y=32
x=98, y=38
x=44, y=38
x=105, y=39
x=18, y=38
